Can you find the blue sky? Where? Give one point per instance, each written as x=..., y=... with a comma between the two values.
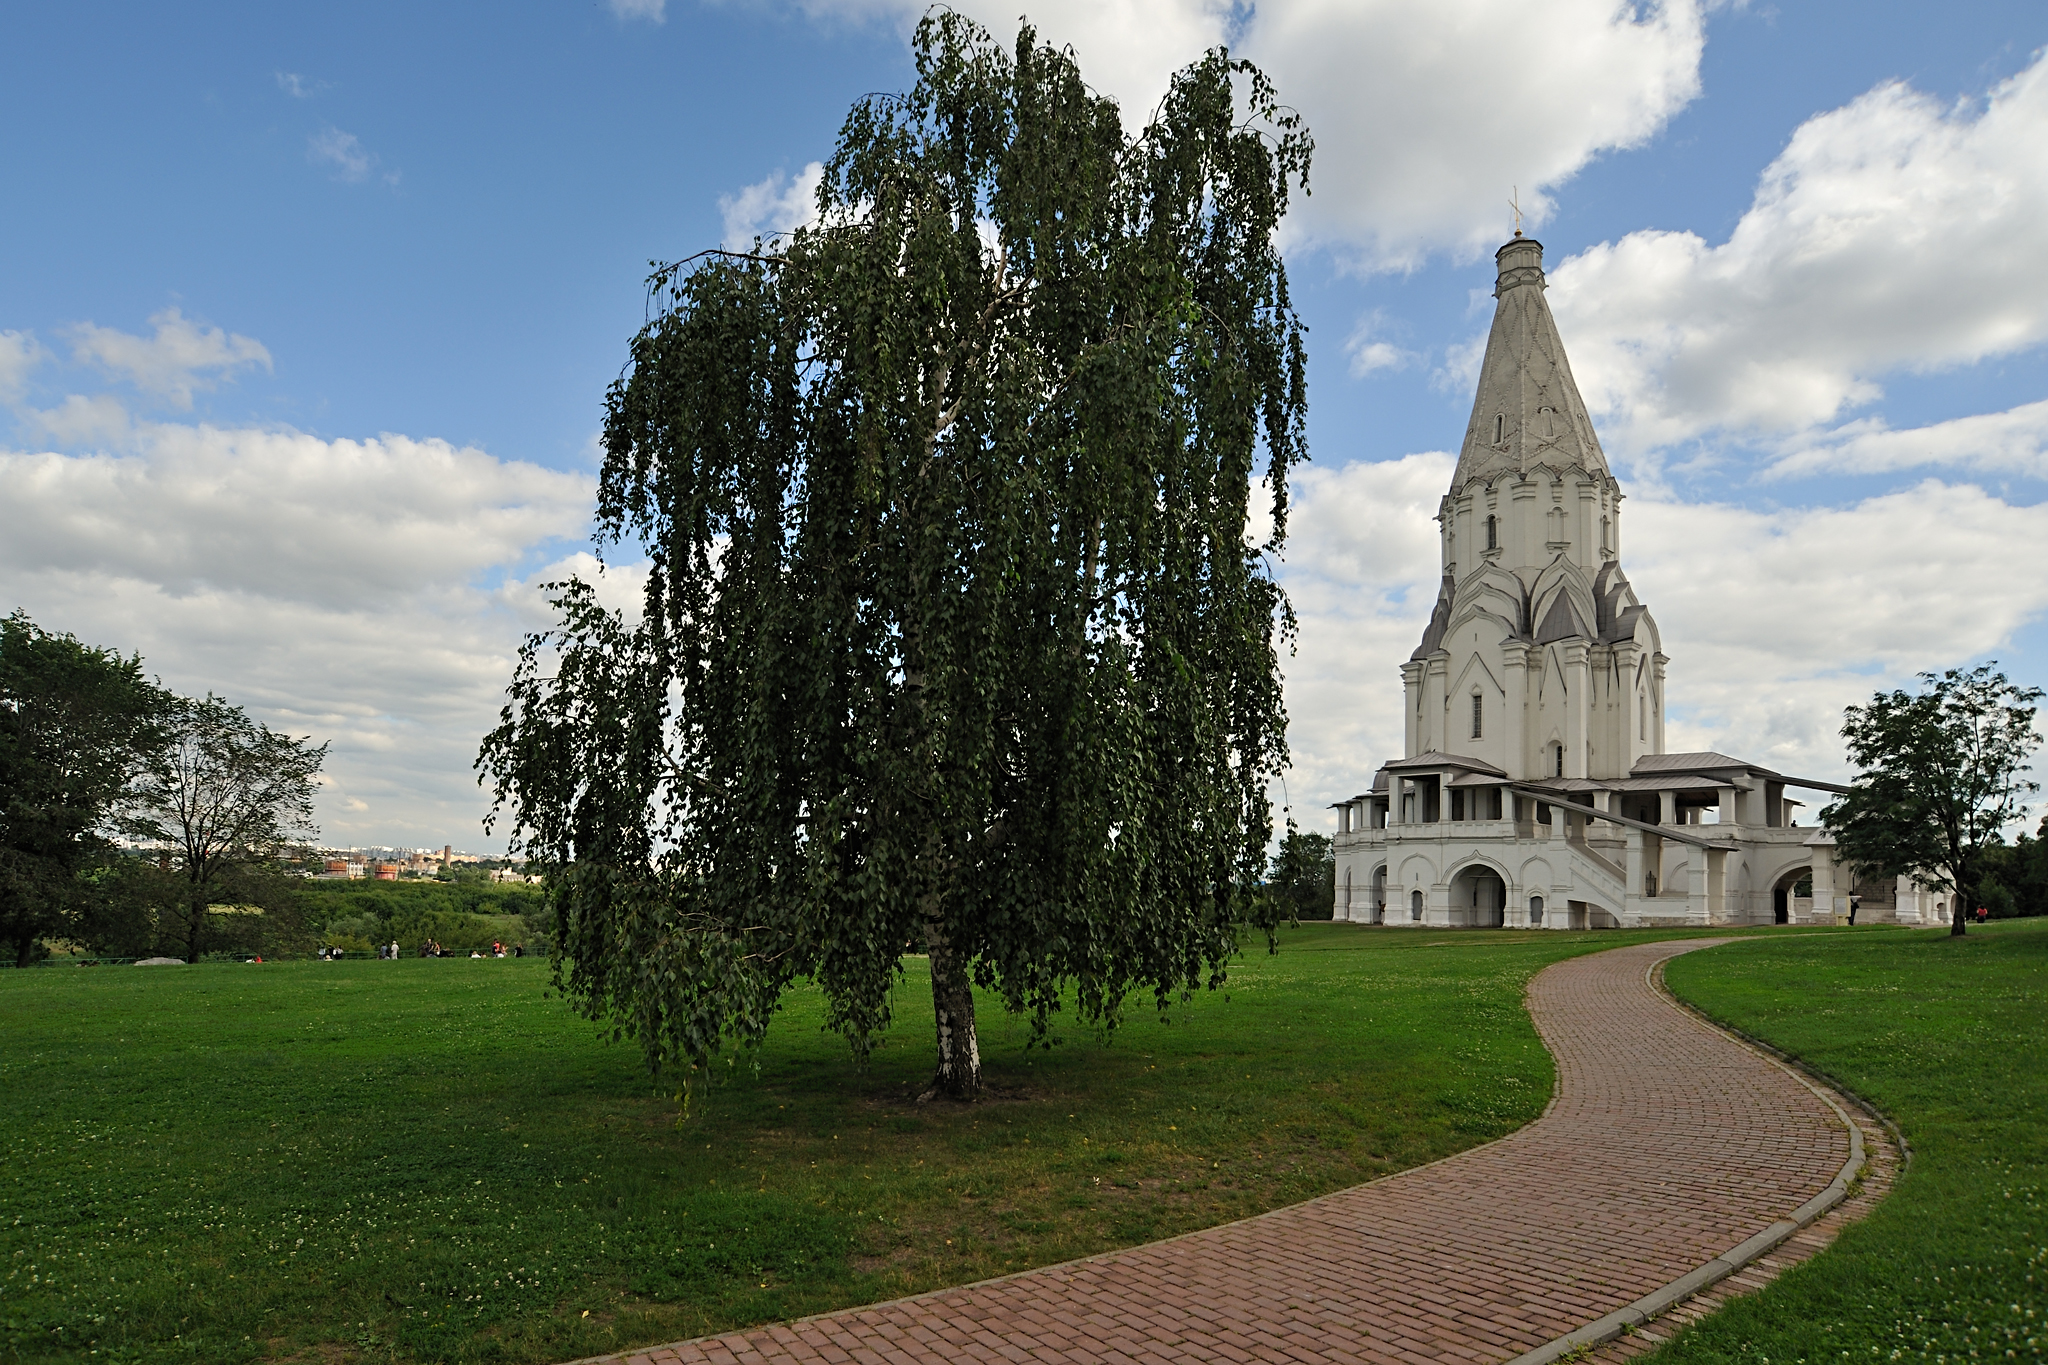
x=310, y=314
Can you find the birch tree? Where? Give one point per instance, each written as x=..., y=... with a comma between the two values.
x=959, y=636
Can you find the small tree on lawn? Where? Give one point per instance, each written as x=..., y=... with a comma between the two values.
x=230, y=798
x=1940, y=779
x=77, y=726
x=955, y=639
x=1303, y=878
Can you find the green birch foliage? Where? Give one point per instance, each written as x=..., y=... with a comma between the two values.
x=956, y=635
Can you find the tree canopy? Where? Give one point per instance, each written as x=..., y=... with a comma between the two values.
x=958, y=633
x=78, y=726
x=228, y=799
x=1303, y=878
x=1940, y=781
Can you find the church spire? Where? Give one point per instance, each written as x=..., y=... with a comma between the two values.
x=1527, y=412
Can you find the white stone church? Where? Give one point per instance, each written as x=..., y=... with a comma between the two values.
x=1535, y=791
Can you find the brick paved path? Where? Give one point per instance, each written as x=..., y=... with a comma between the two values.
x=1667, y=1144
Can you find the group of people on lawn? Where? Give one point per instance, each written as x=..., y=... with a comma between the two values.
x=428, y=948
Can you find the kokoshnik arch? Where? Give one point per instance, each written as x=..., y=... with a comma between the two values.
x=1535, y=791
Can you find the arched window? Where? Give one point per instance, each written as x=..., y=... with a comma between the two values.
x=1560, y=760
x=1492, y=533
x=1478, y=711
x=1500, y=428
x=1535, y=909
x=1415, y=906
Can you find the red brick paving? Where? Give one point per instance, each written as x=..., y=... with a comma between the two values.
x=1667, y=1144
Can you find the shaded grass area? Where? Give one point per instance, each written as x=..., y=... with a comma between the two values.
x=1949, y=1037
x=430, y=1161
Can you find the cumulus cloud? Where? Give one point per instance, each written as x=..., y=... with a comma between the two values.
x=96, y=419
x=344, y=152
x=1893, y=234
x=179, y=358
x=20, y=353
x=297, y=86
x=371, y=593
x=653, y=11
x=1774, y=620
x=1369, y=352
x=778, y=204
x=1362, y=571
x=1425, y=111
x=2011, y=442
x=1777, y=620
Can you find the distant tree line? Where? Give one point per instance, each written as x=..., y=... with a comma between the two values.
x=136, y=822
x=2015, y=876
x=462, y=916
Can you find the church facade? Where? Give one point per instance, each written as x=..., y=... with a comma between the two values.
x=1534, y=790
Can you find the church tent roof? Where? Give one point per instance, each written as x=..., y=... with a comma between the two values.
x=1526, y=411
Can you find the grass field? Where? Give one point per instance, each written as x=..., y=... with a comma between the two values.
x=429, y=1161
x=1949, y=1038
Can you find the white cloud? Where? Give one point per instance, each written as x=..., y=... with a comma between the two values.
x=2011, y=442
x=1774, y=621
x=20, y=353
x=1369, y=353
x=767, y=207
x=179, y=358
x=371, y=593
x=1893, y=234
x=1425, y=112
x=100, y=420
x=654, y=11
x=1362, y=572
x=297, y=86
x=345, y=152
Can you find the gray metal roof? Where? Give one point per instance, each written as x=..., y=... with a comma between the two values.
x=1525, y=389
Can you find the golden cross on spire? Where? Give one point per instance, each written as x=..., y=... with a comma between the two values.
x=1515, y=203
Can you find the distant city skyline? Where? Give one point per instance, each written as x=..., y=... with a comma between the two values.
x=303, y=355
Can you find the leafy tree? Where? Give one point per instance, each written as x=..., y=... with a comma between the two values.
x=1303, y=879
x=77, y=726
x=955, y=637
x=230, y=798
x=2016, y=876
x=1940, y=779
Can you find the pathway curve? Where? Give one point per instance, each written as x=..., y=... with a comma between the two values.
x=1668, y=1145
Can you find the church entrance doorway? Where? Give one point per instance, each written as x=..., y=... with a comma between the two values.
x=1377, y=912
x=1785, y=892
x=1479, y=899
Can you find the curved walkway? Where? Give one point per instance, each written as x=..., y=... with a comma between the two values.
x=1668, y=1145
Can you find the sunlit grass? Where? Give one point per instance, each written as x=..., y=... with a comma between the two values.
x=428, y=1160
x=1950, y=1038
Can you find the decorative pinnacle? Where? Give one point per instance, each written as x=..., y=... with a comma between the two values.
x=1515, y=203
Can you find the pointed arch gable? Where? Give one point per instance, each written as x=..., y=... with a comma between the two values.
x=1474, y=662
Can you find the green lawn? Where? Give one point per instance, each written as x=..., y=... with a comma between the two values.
x=429, y=1160
x=1949, y=1038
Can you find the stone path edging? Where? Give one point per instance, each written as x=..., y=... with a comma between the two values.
x=1661, y=1144
x=1660, y=1301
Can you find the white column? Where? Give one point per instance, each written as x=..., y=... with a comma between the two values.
x=1577, y=685
x=1515, y=664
